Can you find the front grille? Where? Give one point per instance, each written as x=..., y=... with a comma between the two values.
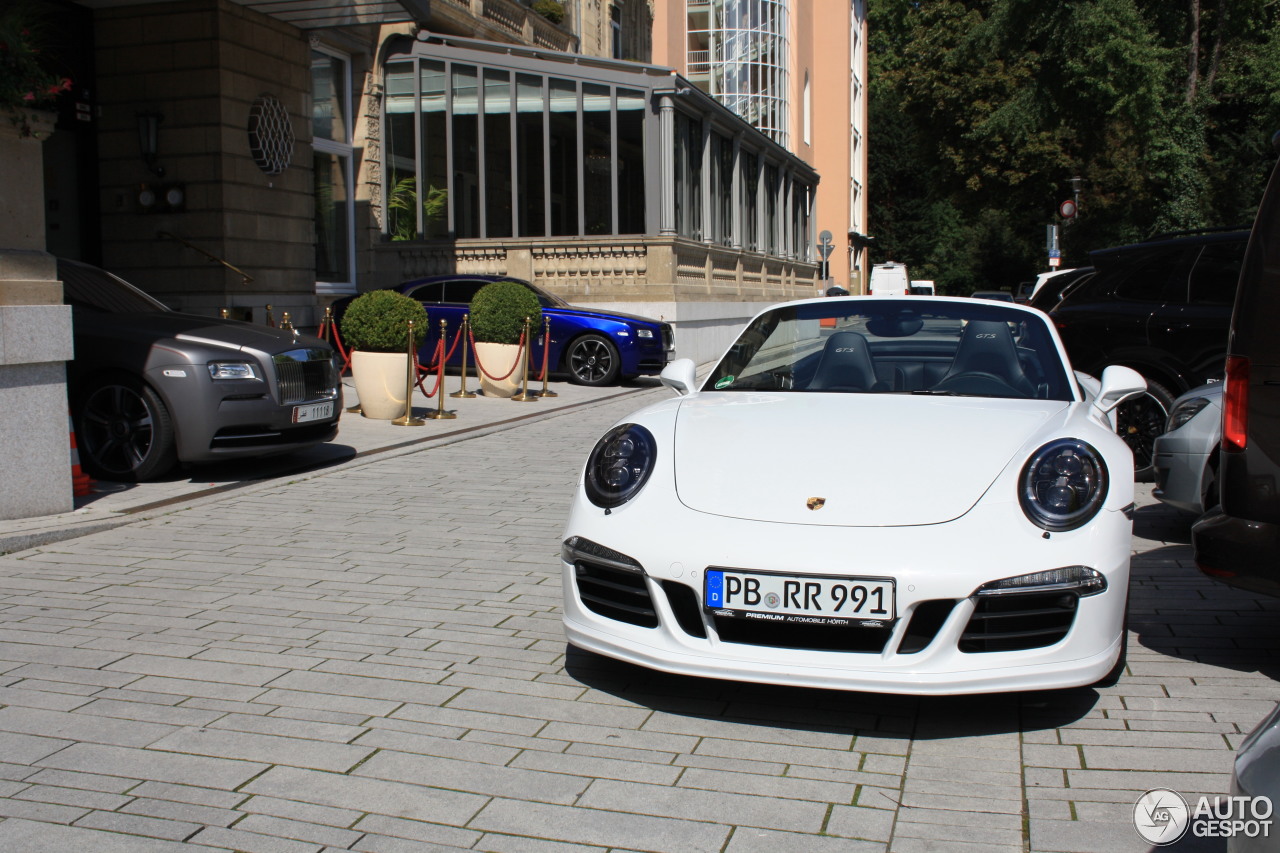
x=684, y=604
x=668, y=338
x=821, y=638
x=926, y=621
x=1016, y=621
x=305, y=374
x=262, y=435
x=615, y=594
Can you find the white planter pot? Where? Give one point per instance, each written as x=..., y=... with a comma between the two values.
x=497, y=359
x=381, y=379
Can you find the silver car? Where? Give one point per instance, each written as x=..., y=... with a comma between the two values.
x=150, y=387
x=1186, y=455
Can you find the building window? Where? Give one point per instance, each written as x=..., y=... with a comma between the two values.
x=807, y=106
x=333, y=171
x=615, y=30
x=688, y=177
x=630, y=141
x=739, y=52
x=511, y=147
x=721, y=189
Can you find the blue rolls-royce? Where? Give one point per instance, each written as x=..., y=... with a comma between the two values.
x=593, y=347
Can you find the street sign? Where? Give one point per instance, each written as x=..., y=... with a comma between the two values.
x=824, y=245
x=1067, y=210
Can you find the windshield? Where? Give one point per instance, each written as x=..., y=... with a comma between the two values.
x=976, y=348
x=87, y=288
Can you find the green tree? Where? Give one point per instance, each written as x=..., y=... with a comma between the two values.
x=983, y=110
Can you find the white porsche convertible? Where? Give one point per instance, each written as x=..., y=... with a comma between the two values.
x=907, y=495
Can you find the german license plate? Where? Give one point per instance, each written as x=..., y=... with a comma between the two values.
x=799, y=599
x=313, y=412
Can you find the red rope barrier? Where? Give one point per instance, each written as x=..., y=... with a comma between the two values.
x=480, y=366
x=452, y=349
x=424, y=372
x=330, y=323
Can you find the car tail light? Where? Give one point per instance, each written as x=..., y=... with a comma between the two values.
x=1235, y=405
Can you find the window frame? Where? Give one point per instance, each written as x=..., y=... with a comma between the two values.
x=345, y=150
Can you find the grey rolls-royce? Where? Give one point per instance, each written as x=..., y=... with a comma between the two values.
x=150, y=387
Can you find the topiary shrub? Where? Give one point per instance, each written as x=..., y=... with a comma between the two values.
x=498, y=311
x=378, y=321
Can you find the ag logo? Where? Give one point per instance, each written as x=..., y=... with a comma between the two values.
x=1161, y=816
x=816, y=503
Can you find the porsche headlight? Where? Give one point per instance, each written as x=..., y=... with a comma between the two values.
x=1063, y=485
x=620, y=465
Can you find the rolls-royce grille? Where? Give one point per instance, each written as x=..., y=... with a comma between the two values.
x=1028, y=620
x=615, y=594
x=305, y=374
x=840, y=638
x=668, y=338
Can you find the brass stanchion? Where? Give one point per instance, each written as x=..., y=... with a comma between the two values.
x=440, y=413
x=524, y=396
x=546, y=348
x=464, y=330
x=286, y=323
x=407, y=419
x=330, y=326
x=271, y=319
x=224, y=314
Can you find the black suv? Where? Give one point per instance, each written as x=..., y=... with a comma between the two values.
x=1239, y=543
x=1161, y=307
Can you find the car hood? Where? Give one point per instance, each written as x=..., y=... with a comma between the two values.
x=874, y=460
x=575, y=311
x=172, y=325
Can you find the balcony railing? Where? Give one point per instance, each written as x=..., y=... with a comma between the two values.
x=519, y=21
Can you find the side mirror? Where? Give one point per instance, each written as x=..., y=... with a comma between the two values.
x=1118, y=384
x=680, y=376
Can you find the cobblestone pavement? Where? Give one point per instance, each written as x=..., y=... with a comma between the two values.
x=372, y=660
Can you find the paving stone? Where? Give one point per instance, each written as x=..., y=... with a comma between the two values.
x=81, y=727
x=131, y=824
x=376, y=796
x=691, y=804
x=624, y=830
x=475, y=777
x=292, y=751
x=754, y=840
x=28, y=749
x=251, y=842
x=153, y=764
x=32, y=837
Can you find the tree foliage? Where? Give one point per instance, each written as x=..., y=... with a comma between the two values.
x=982, y=111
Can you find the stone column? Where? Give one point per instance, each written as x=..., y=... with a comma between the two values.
x=35, y=335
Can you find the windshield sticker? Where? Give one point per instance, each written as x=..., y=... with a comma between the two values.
x=724, y=383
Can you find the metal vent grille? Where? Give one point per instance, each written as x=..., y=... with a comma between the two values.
x=270, y=135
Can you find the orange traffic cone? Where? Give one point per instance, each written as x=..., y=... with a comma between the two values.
x=81, y=483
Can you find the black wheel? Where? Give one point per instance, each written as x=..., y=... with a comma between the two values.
x=124, y=431
x=1209, y=497
x=593, y=360
x=1140, y=422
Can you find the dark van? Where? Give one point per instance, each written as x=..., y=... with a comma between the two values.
x=1239, y=544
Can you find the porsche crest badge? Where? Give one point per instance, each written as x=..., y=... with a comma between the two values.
x=815, y=503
